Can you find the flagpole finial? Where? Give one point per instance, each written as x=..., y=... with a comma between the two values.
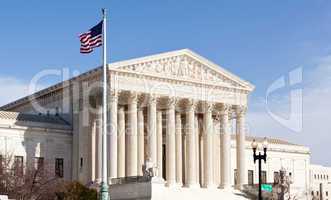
x=104, y=12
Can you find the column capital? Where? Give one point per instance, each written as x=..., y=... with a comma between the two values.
x=191, y=104
x=225, y=109
x=141, y=100
x=113, y=95
x=171, y=102
x=153, y=98
x=133, y=97
x=208, y=107
x=240, y=111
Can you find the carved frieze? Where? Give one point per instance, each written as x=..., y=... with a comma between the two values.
x=181, y=67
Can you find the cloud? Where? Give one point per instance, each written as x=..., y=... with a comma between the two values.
x=13, y=88
x=315, y=116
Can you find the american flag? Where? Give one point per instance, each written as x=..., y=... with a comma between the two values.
x=91, y=39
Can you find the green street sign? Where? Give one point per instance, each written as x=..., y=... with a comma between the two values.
x=266, y=187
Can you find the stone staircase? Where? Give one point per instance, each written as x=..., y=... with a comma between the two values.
x=140, y=188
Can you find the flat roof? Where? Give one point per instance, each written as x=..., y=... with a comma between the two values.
x=39, y=118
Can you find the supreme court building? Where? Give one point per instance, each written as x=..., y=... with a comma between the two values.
x=177, y=109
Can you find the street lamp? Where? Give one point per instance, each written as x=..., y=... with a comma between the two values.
x=260, y=157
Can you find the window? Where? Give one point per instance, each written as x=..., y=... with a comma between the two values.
x=59, y=167
x=18, y=165
x=317, y=193
x=264, y=177
x=312, y=193
x=276, y=177
x=326, y=193
x=250, y=177
x=315, y=176
x=235, y=177
x=39, y=163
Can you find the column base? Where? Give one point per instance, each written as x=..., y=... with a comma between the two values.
x=225, y=187
x=173, y=185
x=210, y=186
x=193, y=186
x=157, y=180
x=179, y=184
x=238, y=187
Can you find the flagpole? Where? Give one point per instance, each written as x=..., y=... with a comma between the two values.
x=104, y=183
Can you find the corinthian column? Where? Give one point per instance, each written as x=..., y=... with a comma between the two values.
x=217, y=151
x=171, y=143
x=141, y=141
x=152, y=129
x=159, y=144
x=240, y=137
x=191, y=145
x=113, y=136
x=121, y=142
x=225, y=148
x=179, y=156
x=131, y=164
x=207, y=146
x=198, y=145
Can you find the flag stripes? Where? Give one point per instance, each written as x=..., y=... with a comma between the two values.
x=91, y=39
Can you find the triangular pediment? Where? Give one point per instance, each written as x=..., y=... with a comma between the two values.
x=184, y=65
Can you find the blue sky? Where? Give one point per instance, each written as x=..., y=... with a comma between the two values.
x=258, y=40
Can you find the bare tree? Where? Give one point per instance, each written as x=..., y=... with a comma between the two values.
x=30, y=182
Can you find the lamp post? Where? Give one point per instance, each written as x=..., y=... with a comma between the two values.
x=260, y=157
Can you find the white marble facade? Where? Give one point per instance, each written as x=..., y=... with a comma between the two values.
x=184, y=112
x=168, y=96
x=32, y=137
